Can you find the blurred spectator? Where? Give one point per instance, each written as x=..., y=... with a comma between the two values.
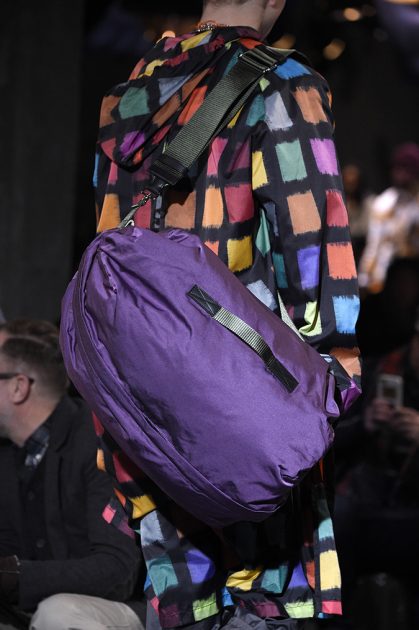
x=377, y=507
x=393, y=229
x=387, y=319
x=356, y=205
x=59, y=559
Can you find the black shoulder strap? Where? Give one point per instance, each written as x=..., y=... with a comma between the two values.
x=218, y=108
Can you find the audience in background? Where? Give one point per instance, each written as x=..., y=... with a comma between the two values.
x=356, y=203
x=393, y=222
x=377, y=505
x=61, y=565
x=387, y=319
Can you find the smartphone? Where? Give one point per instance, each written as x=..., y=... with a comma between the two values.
x=390, y=388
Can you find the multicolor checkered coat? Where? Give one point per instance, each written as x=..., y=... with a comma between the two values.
x=267, y=198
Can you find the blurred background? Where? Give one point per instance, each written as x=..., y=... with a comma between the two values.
x=58, y=59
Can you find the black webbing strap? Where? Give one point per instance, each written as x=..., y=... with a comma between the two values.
x=246, y=333
x=218, y=108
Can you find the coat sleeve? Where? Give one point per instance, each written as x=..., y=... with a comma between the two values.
x=109, y=565
x=297, y=183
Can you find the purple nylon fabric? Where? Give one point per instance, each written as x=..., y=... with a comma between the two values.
x=185, y=398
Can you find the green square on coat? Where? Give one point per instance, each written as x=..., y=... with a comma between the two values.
x=262, y=239
x=134, y=103
x=162, y=574
x=291, y=161
x=204, y=608
x=274, y=579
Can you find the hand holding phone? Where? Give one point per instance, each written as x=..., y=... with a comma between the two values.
x=390, y=389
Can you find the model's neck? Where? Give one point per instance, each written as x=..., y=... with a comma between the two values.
x=29, y=419
x=229, y=15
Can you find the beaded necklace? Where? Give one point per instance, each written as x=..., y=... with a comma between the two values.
x=209, y=25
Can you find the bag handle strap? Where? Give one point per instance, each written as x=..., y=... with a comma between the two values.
x=218, y=108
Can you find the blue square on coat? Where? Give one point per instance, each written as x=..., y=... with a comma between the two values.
x=201, y=568
x=168, y=87
x=95, y=172
x=261, y=291
x=147, y=582
x=150, y=529
x=346, y=309
x=298, y=578
x=326, y=529
x=226, y=598
x=162, y=574
x=308, y=264
x=291, y=69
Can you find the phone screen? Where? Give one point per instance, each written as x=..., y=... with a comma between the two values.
x=390, y=388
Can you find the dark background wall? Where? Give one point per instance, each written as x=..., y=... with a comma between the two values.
x=40, y=71
x=58, y=58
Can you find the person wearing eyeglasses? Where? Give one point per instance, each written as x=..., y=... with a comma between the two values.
x=61, y=564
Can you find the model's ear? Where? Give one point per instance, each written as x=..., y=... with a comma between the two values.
x=20, y=388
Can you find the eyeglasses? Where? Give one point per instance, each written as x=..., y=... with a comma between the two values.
x=5, y=376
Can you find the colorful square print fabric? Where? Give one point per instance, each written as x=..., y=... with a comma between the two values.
x=267, y=198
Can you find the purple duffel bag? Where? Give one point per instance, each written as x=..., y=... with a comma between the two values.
x=209, y=392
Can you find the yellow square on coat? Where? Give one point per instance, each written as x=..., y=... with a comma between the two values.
x=191, y=42
x=151, y=67
x=240, y=253
x=243, y=579
x=235, y=118
x=259, y=177
x=142, y=505
x=329, y=571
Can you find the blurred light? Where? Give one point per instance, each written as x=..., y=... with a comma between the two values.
x=404, y=1
x=168, y=34
x=286, y=41
x=351, y=14
x=334, y=50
